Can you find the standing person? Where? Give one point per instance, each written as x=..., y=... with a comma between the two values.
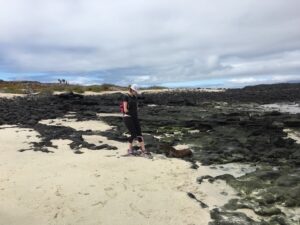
x=130, y=117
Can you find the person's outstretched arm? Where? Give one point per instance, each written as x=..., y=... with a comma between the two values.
x=125, y=106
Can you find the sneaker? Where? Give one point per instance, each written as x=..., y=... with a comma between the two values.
x=136, y=152
x=147, y=155
x=129, y=153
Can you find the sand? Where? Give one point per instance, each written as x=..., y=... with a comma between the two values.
x=91, y=93
x=158, y=91
x=10, y=95
x=292, y=108
x=101, y=187
x=293, y=134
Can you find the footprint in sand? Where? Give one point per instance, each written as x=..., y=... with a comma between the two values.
x=140, y=195
x=86, y=193
x=109, y=191
x=58, y=191
x=55, y=216
x=102, y=203
x=136, y=209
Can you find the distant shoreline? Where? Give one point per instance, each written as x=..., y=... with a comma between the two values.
x=87, y=93
x=263, y=94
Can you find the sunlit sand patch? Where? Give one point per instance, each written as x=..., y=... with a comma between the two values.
x=94, y=125
x=158, y=136
x=15, y=138
x=194, y=131
x=62, y=145
x=70, y=115
x=91, y=93
x=251, y=214
x=181, y=147
x=215, y=194
x=98, y=140
x=109, y=114
x=292, y=108
x=235, y=169
x=8, y=126
x=10, y=95
x=63, y=184
x=291, y=212
x=293, y=134
x=218, y=193
x=66, y=188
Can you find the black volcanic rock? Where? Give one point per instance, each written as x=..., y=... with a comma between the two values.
x=70, y=95
x=230, y=218
x=295, y=122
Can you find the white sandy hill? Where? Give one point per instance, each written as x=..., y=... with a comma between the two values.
x=99, y=187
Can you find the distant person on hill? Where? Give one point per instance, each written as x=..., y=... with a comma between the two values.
x=130, y=117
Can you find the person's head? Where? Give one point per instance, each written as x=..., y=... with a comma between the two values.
x=134, y=89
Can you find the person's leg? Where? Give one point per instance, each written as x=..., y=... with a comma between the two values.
x=130, y=126
x=145, y=152
x=142, y=143
x=139, y=134
x=130, y=146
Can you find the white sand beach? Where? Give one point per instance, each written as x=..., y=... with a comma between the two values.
x=88, y=93
x=100, y=187
x=11, y=95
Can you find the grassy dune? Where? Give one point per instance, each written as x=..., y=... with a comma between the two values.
x=25, y=87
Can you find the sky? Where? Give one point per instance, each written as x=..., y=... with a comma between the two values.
x=174, y=43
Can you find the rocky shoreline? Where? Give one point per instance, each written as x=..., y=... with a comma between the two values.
x=219, y=127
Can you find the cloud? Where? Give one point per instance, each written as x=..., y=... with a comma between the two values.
x=244, y=80
x=285, y=78
x=152, y=42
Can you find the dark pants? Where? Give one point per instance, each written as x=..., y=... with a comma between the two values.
x=133, y=125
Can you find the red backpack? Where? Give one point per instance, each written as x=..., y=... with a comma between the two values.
x=121, y=106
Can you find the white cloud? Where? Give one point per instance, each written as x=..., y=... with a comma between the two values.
x=174, y=40
x=244, y=80
x=82, y=80
x=139, y=78
x=285, y=78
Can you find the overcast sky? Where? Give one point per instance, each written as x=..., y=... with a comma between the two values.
x=154, y=42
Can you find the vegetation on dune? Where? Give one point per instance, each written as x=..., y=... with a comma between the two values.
x=154, y=87
x=27, y=87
